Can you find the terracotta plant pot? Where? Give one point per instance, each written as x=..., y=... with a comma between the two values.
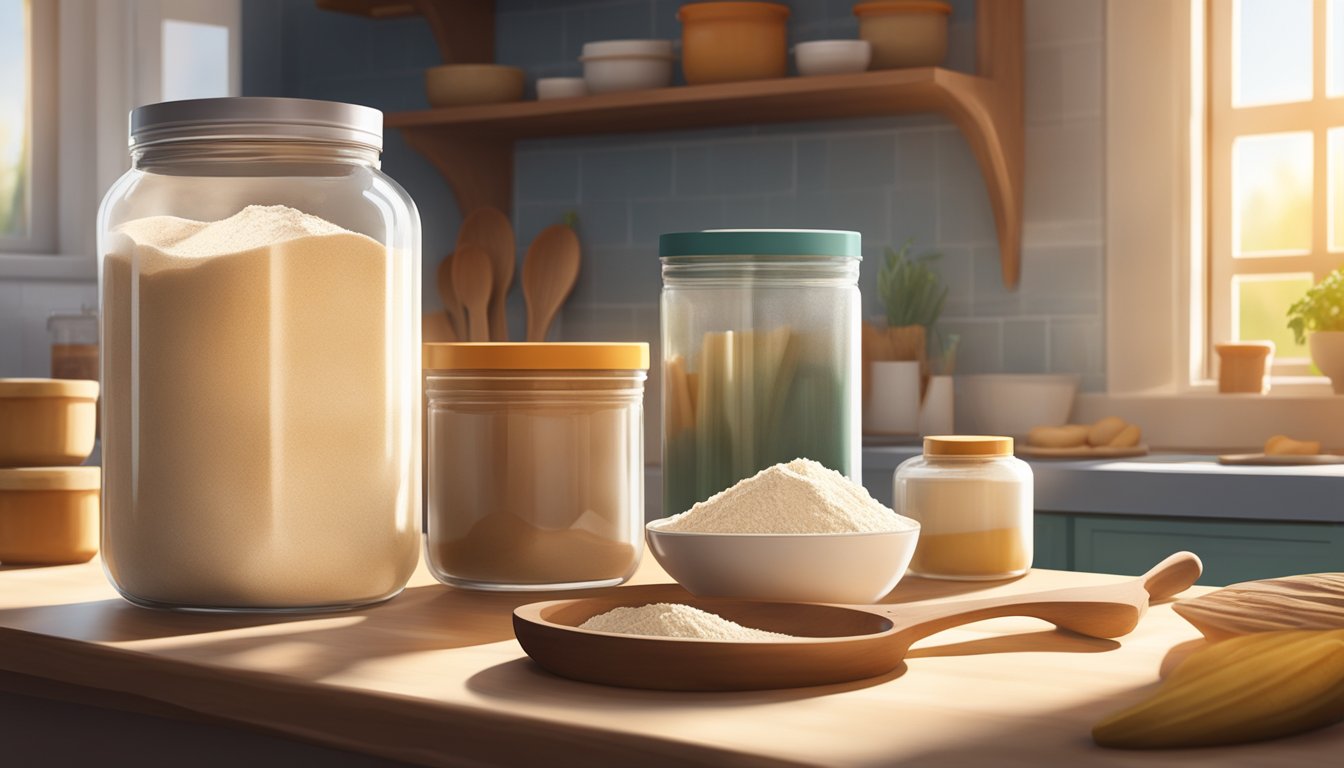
x=883, y=343
x=1327, y=352
x=1243, y=367
x=727, y=42
x=904, y=33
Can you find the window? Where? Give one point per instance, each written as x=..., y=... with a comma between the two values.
x=1275, y=164
x=27, y=162
x=70, y=71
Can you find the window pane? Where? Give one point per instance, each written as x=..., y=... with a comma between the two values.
x=1335, y=137
x=1260, y=310
x=1334, y=63
x=1271, y=188
x=1271, y=52
x=14, y=118
x=195, y=60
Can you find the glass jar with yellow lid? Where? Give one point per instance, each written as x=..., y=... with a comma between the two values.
x=535, y=463
x=973, y=501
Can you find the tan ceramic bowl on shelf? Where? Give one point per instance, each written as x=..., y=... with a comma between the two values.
x=857, y=568
x=47, y=422
x=460, y=85
x=904, y=33
x=48, y=516
x=727, y=42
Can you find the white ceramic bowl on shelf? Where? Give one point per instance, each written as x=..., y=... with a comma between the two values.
x=1012, y=403
x=832, y=57
x=857, y=568
x=561, y=88
x=627, y=65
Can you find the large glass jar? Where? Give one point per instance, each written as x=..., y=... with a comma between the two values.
x=760, y=356
x=973, y=501
x=260, y=324
x=536, y=464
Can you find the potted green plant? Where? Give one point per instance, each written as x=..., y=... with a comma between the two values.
x=913, y=296
x=1318, y=318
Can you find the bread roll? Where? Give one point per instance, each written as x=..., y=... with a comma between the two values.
x=1283, y=445
x=1106, y=430
x=1127, y=438
x=1067, y=436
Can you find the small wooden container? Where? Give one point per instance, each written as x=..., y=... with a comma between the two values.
x=904, y=33
x=48, y=516
x=47, y=422
x=728, y=42
x=1244, y=366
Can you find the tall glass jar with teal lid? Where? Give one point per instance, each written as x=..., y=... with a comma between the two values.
x=760, y=335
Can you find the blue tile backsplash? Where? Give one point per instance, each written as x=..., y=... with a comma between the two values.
x=891, y=178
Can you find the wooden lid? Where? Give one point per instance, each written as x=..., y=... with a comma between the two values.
x=968, y=446
x=702, y=11
x=1244, y=348
x=885, y=7
x=536, y=356
x=50, y=479
x=81, y=388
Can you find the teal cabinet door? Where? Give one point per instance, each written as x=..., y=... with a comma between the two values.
x=1054, y=541
x=1232, y=551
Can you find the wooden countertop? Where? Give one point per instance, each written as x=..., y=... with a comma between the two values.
x=435, y=677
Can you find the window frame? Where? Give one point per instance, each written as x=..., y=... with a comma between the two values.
x=1155, y=235
x=102, y=72
x=1227, y=123
x=42, y=183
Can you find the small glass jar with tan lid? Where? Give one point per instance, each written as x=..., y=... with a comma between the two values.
x=535, y=464
x=973, y=501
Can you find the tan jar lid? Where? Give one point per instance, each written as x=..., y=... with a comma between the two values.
x=968, y=445
x=1252, y=349
x=80, y=388
x=544, y=356
x=886, y=7
x=50, y=479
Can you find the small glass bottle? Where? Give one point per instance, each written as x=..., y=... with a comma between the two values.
x=973, y=501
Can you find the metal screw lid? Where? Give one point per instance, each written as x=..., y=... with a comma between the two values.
x=256, y=117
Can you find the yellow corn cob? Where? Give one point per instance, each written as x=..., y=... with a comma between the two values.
x=1249, y=688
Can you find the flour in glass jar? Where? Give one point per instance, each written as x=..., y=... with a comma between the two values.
x=253, y=436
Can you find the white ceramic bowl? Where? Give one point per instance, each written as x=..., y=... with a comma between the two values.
x=560, y=88
x=832, y=57
x=1012, y=403
x=627, y=65
x=858, y=568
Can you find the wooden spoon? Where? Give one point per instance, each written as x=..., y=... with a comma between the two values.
x=549, y=272
x=443, y=280
x=490, y=229
x=471, y=281
x=835, y=643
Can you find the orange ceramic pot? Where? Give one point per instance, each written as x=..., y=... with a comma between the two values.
x=726, y=42
x=904, y=33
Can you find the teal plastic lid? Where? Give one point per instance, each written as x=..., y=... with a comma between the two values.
x=762, y=242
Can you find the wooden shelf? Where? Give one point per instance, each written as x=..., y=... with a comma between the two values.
x=473, y=146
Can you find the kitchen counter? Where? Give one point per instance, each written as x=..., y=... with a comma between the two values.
x=1160, y=485
x=434, y=677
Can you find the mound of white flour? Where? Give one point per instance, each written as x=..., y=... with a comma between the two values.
x=675, y=620
x=801, y=496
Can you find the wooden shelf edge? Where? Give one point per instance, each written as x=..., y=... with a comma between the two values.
x=473, y=146
x=539, y=118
